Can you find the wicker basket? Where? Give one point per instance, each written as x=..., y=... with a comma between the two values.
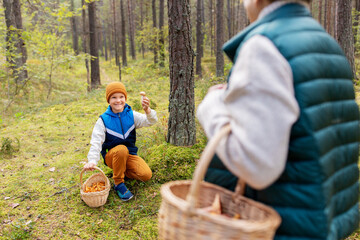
x=94, y=199
x=181, y=216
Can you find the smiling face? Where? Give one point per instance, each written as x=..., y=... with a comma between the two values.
x=117, y=102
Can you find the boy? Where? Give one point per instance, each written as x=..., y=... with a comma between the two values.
x=295, y=125
x=114, y=136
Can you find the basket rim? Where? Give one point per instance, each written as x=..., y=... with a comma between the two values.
x=245, y=225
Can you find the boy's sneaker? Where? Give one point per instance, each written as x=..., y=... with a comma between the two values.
x=123, y=192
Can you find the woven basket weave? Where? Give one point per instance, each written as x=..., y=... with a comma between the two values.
x=181, y=215
x=94, y=199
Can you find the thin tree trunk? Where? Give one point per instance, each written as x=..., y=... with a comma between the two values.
x=104, y=39
x=211, y=28
x=131, y=29
x=15, y=45
x=94, y=48
x=219, y=38
x=344, y=34
x=75, y=37
x=115, y=34
x=229, y=19
x=84, y=43
x=199, y=37
x=161, y=33
x=116, y=41
x=123, y=34
x=320, y=12
x=181, y=125
x=154, y=26
x=142, y=26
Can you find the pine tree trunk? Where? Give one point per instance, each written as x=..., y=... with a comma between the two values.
x=15, y=45
x=229, y=19
x=219, y=38
x=131, y=29
x=123, y=34
x=211, y=27
x=85, y=44
x=115, y=34
x=320, y=11
x=154, y=26
x=344, y=33
x=199, y=37
x=181, y=125
x=116, y=39
x=142, y=26
x=75, y=37
x=161, y=37
x=94, y=48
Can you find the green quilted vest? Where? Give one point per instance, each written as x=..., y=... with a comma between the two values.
x=317, y=194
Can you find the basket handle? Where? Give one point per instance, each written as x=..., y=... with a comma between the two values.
x=203, y=165
x=84, y=170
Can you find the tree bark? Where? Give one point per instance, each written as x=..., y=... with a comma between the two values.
x=199, y=37
x=161, y=32
x=75, y=37
x=116, y=41
x=142, y=26
x=344, y=33
x=154, y=26
x=94, y=47
x=123, y=34
x=320, y=12
x=84, y=44
x=219, y=38
x=181, y=125
x=131, y=29
x=15, y=46
x=211, y=9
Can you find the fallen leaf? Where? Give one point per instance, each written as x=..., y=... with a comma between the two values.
x=14, y=205
x=7, y=198
x=52, y=169
x=28, y=222
x=100, y=221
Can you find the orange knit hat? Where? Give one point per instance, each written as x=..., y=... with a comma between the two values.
x=115, y=87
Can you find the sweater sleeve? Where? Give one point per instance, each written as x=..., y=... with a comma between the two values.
x=97, y=139
x=145, y=120
x=261, y=108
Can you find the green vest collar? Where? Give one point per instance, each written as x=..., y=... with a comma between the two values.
x=288, y=10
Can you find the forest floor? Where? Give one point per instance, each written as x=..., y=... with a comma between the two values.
x=48, y=145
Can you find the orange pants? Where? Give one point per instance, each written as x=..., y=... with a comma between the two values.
x=124, y=164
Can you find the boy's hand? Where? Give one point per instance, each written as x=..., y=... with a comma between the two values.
x=89, y=166
x=145, y=103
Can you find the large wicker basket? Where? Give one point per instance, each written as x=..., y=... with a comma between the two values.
x=181, y=215
x=94, y=199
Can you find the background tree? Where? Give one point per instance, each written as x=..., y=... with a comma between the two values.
x=219, y=38
x=16, y=51
x=73, y=23
x=344, y=33
x=94, y=48
x=123, y=34
x=116, y=39
x=199, y=36
x=181, y=124
x=131, y=29
x=154, y=26
x=161, y=34
x=84, y=43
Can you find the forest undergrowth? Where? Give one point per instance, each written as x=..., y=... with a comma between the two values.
x=44, y=143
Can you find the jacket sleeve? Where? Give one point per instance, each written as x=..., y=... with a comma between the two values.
x=145, y=120
x=97, y=139
x=261, y=108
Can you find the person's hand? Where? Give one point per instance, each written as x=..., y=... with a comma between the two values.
x=217, y=87
x=145, y=103
x=89, y=166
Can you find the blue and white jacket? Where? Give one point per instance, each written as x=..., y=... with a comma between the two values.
x=113, y=129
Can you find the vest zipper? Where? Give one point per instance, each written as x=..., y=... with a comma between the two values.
x=122, y=129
